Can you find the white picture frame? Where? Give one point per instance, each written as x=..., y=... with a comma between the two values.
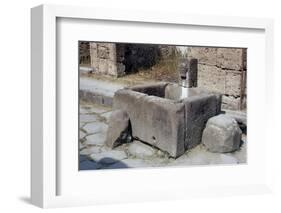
x=45, y=178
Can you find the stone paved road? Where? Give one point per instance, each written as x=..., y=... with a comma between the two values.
x=95, y=155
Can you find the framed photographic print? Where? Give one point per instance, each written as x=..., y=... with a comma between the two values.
x=130, y=106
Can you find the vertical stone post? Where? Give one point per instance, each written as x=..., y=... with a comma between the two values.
x=187, y=70
x=182, y=70
x=192, y=72
x=112, y=60
x=120, y=56
x=94, y=56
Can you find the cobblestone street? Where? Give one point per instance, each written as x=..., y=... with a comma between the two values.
x=94, y=154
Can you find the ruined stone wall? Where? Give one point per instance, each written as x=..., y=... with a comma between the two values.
x=84, y=52
x=167, y=51
x=106, y=58
x=222, y=70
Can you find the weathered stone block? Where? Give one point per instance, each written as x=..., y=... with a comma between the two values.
x=154, y=120
x=222, y=134
x=193, y=72
x=119, y=129
x=103, y=52
x=207, y=56
x=211, y=78
x=230, y=58
x=104, y=58
x=141, y=150
x=102, y=66
x=112, y=68
x=198, y=109
x=233, y=83
x=165, y=122
x=230, y=102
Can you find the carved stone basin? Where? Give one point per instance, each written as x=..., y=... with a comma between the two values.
x=168, y=116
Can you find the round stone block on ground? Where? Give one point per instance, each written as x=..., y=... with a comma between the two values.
x=222, y=134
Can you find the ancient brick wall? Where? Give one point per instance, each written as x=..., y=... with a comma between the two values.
x=222, y=70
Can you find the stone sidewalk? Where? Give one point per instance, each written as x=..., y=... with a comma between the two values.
x=98, y=86
x=95, y=155
x=97, y=91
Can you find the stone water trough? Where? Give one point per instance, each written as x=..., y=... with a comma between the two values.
x=167, y=116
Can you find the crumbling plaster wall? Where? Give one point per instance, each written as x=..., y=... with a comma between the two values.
x=222, y=70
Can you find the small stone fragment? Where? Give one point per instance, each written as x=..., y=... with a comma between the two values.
x=119, y=129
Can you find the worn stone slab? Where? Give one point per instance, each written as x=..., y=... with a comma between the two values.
x=141, y=150
x=106, y=115
x=109, y=157
x=84, y=110
x=93, y=108
x=222, y=134
x=96, y=139
x=95, y=86
x=86, y=118
x=99, y=109
x=95, y=127
x=82, y=134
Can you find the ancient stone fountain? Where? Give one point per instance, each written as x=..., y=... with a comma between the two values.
x=160, y=117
